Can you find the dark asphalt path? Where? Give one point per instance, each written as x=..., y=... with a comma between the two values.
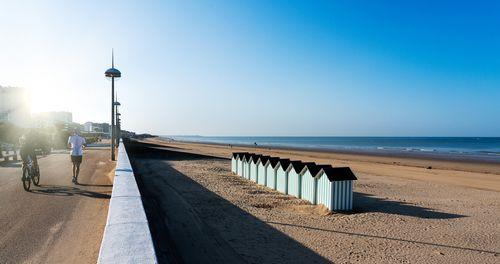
x=57, y=222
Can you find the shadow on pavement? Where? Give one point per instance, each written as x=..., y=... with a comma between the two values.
x=68, y=191
x=191, y=224
x=94, y=185
x=11, y=164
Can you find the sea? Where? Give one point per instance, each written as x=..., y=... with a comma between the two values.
x=474, y=148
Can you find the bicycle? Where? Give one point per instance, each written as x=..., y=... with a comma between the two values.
x=31, y=173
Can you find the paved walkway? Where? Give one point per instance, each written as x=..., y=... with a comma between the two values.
x=57, y=222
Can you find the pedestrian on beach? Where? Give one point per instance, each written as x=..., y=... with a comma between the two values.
x=76, y=143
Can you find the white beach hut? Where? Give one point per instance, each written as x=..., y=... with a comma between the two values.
x=239, y=163
x=261, y=170
x=282, y=175
x=253, y=167
x=234, y=162
x=335, y=188
x=295, y=171
x=271, y=166
x=246, y=165
x=309, y=182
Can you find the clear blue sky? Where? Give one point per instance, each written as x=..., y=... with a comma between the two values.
x=360, y=68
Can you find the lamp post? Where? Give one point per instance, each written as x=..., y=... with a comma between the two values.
x=117, y=125
x=112, y=73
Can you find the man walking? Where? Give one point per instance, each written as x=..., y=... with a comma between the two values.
x=76, y=143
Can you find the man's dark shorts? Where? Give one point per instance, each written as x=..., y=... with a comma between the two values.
x=76, y=159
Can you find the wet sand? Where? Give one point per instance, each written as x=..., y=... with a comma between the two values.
x=396, y=219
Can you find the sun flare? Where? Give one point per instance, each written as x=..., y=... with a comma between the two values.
x=48, y=99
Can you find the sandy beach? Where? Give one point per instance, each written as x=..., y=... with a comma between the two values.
x=484, y=176
x=403, y=212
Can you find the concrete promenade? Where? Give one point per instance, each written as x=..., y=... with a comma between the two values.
x=57, y=222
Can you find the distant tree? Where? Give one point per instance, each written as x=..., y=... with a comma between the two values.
x=10, y=133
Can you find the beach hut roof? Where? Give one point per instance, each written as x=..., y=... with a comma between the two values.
x=297, y=165
x=264, y=159
x=306, y=166
x=273, y=161
x=247, y=156
x=316, y=168
x=256, y=158
x=284, y=163
x=237, y=154
x=339, y=173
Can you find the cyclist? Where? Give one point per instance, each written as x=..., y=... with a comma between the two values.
x=28, y=144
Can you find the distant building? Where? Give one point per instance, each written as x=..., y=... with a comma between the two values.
x=15, y=106
x=103, y=128
x=87, y=127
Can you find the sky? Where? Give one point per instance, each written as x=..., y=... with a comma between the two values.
x=262, y=68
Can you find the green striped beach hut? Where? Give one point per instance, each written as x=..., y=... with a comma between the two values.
x=309, y=182
x=295, y=171
x=261, y=170
x=236, y=162
x=335, y=188
x=239, y=163
x=282, y=175
x=247, y=157
x=253, y=167
x=271, y=166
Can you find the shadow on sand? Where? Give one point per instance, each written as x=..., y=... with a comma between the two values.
x=365, y=203
x=57, y=190
x=180, y=224
x=385, y=238
x=153, y=151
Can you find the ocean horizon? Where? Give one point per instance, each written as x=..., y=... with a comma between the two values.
x=476, y=148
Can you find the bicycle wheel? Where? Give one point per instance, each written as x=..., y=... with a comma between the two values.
x=26, y=179
x=36, y=176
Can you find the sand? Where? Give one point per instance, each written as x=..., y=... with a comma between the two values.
x=403, y=213
x=485, y=176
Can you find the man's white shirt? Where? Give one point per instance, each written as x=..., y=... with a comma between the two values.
x=76, y=145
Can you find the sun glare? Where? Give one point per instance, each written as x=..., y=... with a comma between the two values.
x=48, y=99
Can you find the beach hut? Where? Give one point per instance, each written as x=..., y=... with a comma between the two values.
x=335, y=188
x=282, y=175
x=253, y=167
x=294, y=177
x=234, y=162
x=270, y=167
x=261, y=170
x=309, y=182
x=239, y=163
x=246, y=165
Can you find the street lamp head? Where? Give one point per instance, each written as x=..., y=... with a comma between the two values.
x=117, y=103
x=113, y=73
